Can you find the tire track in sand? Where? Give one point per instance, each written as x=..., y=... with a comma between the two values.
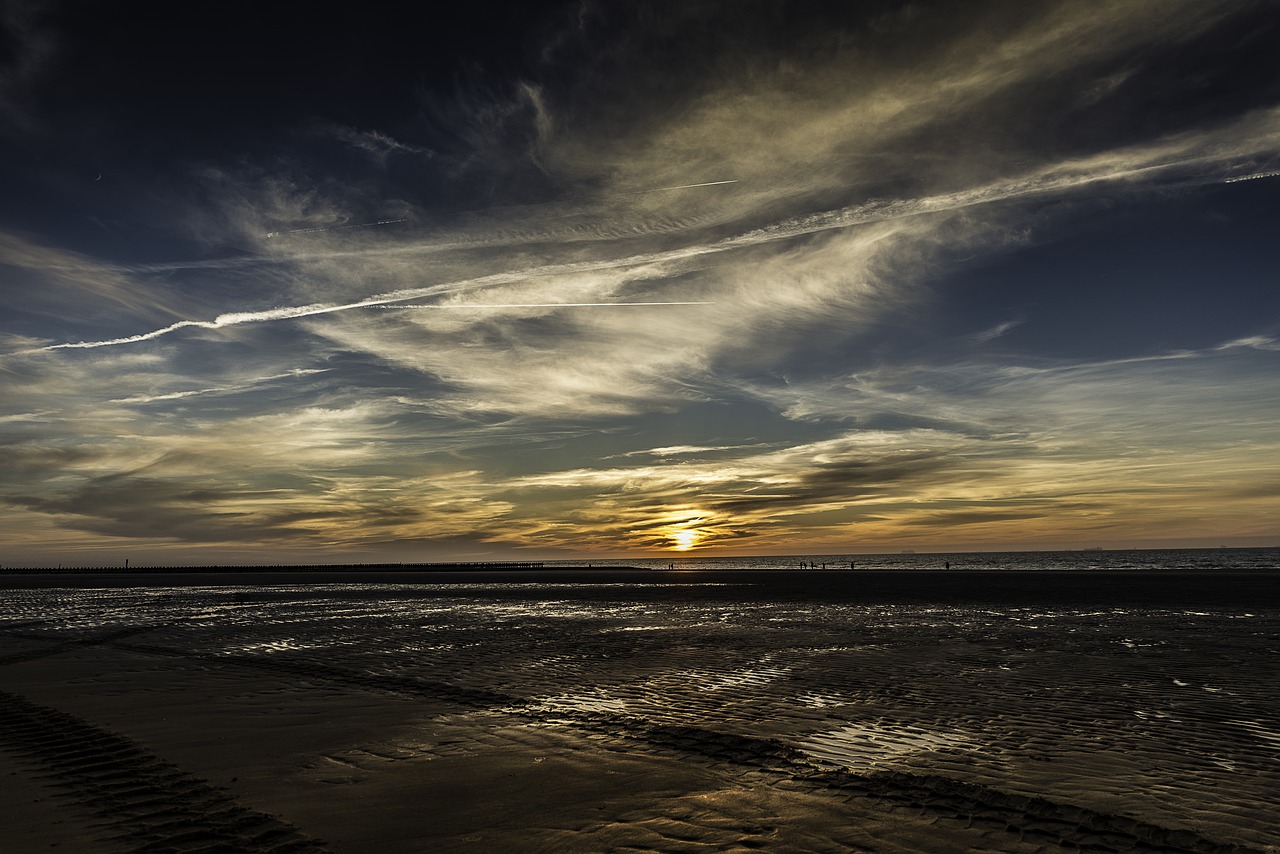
x=1032, y=820
x=57, y=647
x=142, y=801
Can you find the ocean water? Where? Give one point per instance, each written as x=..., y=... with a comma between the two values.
x=1091, y=559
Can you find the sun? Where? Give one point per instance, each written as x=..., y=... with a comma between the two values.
x=685, y=539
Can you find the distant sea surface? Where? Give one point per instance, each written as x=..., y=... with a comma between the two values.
x=1091, y=559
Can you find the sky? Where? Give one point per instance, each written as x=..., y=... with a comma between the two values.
x=594, y=279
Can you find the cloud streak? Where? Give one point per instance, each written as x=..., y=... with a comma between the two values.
x=998, y=278
x=1173, y=161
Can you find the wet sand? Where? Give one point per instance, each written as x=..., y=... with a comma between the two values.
x=640, y=711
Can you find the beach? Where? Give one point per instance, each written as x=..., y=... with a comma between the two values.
x=637, y=710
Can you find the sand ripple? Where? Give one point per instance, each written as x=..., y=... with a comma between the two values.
x=1004, y=729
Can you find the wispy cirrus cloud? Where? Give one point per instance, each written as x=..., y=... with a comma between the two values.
x=1060, y=178
x=754, y=293
x=376, y=144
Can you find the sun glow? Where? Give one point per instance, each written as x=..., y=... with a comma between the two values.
x=684, y=540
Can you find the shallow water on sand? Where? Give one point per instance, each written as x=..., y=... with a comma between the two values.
x=1203, y=560
x=1009, y=727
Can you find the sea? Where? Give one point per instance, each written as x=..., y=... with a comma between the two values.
x=1102, y=560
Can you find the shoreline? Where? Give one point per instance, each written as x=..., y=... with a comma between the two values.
x=1217, y=588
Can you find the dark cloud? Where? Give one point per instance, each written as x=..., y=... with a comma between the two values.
x=131, y=505
x=30, y=461
x=1268, y=489
x=972, y=517
x=147, y=508
x=843, y=480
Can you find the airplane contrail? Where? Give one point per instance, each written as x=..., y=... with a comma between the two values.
x=226, y=389
x=1252, y=177
x=271, y=234
x=538, y=304
x=377, y=301
x=681, y=187
x=1034, y=185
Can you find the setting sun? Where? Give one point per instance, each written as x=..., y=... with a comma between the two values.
x=685, y=540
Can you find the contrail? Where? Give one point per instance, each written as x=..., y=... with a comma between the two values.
x=1252, y=177
x=231, y=319
x=270, y=234
x=536, y=304
x=227, y=389
x=1043, y=184
x=681, y=187
x=376, y=301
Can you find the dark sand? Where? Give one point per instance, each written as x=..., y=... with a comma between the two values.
x=640, y=711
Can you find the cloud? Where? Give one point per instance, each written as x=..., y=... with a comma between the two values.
x=144, y=507
x=255, y=382
x=1186, y=160
x=681, y=450
x=972, y=517
x=754, y=492
x=919, y=85
x=46, y=279
x=994, y=332
x=626, y=302
x=376, y=144
x=285, y=478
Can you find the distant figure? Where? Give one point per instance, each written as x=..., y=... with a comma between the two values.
x=948, y=565
x=851, y=564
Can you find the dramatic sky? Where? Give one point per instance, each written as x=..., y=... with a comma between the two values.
x=629, y=278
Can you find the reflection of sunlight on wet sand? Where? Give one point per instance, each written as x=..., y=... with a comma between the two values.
x=282, y=645
x=1122, y=711
x=588, y=700
x=817, y=700
x=862, y=747
x=1270, y=738
x=747, y=678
